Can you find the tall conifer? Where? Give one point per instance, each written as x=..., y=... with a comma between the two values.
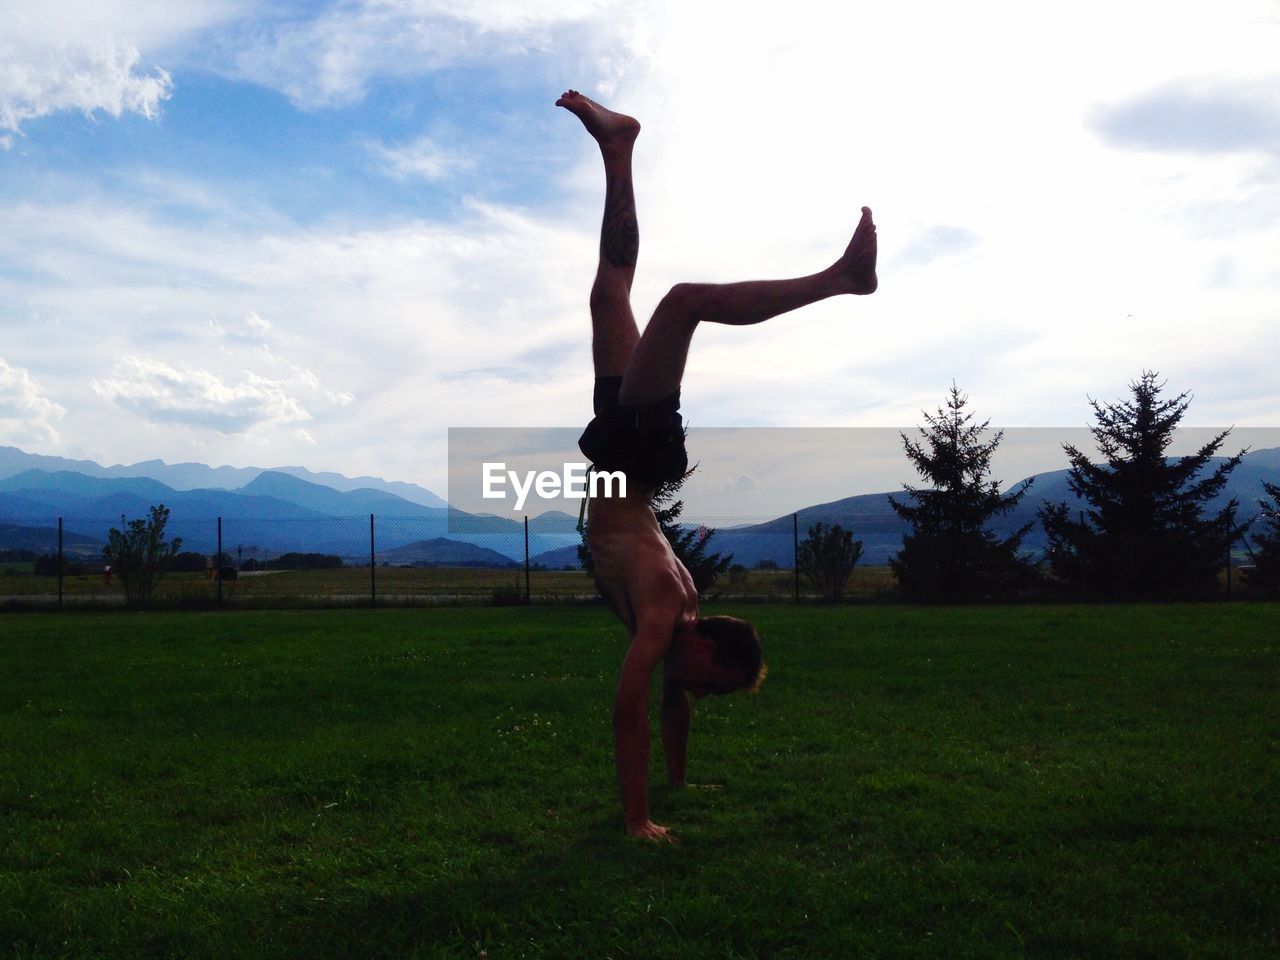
x=1144, y=532
x=951, y=552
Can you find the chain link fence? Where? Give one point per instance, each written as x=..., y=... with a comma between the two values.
x=412, y=560
x=371, y=559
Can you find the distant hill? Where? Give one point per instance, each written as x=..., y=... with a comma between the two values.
x=558, y=559
x=269, y=495
x=446, y=553
x=554, y=521
x=81, y=485
x=44, y=540
x=322, y=499
x=193, y=476
x=37, y=494
x=869, y=516
x=1268, y=459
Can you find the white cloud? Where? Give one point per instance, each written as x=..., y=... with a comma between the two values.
x=742, y=482
x=257, y=324
x=1199, y=117
x=161, y=393
x=37, y=82
x=26, y=414
x=146, y=23
x=422, y=158
x=938, y=241
x=307, y=380
x=498, y=15
x=329, y=60
x=365, y=327
x=251, y=330
x=87, y=55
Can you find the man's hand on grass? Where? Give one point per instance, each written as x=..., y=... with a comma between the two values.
x=648, y=830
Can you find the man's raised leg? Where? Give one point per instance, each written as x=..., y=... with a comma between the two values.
x=614, y=334
x=657, y=366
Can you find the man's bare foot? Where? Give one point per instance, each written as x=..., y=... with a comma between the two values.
x=610, y=129
x=856, y=270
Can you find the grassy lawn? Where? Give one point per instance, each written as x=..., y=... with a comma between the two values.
x=957, y=782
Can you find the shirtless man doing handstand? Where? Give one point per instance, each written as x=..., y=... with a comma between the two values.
x=637, y=429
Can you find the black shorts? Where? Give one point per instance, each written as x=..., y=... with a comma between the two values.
x=646, y=442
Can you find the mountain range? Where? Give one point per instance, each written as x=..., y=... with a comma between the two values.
x=276, y=511
x=273, y=512
x=194, y=476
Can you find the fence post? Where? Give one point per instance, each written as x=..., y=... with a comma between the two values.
x=528, y=595
x=373, y=568
x=795, y=550
x=217, y=563
x=60, y=561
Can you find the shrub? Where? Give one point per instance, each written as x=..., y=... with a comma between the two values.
x=828, y=557
x=139, y=555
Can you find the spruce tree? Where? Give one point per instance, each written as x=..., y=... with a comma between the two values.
x=951, y=552
x=1265, y=575
x=1144, y=533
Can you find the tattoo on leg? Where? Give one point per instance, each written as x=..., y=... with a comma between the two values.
x=620, y=233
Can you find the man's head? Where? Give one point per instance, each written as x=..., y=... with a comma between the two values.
x=716, y=655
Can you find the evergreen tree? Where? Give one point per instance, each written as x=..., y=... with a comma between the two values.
x=687, y=543
x=1265, y=574
x=1144, y=532
x=951, y=553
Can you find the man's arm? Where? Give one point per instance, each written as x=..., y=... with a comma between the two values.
x=676, y=713
x=631, y=729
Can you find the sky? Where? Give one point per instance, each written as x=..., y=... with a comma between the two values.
x=323, y=234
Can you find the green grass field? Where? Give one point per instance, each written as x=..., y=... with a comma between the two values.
x=1092, y=781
